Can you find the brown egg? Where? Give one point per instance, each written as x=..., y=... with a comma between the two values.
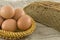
x=1, y=21
x=9, y=25
x=7, y=11
x=18, y=13
x=24, y=22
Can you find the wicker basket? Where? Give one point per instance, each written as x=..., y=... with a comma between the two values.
x=17, y=35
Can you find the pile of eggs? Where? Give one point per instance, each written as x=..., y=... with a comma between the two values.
x=12, y=19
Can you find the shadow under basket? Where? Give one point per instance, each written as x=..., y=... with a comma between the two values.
x=11, y=35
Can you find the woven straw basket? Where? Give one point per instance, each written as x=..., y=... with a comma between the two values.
x=17, y=35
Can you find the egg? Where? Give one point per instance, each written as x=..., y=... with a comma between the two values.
x=7, y=11
x=1, y=21
x=24, y=22
x=18, y=13
x=9, y=25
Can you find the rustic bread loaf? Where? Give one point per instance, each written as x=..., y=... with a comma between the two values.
x=45, y=12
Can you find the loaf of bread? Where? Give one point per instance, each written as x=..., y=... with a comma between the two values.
x=45, y=12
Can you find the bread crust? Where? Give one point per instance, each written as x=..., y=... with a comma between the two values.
x=45, y=12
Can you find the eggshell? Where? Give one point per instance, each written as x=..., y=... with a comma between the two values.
x=9, y=25
x=24, y=22
x=7, y=11
x=18, y=13
x=1, y=21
